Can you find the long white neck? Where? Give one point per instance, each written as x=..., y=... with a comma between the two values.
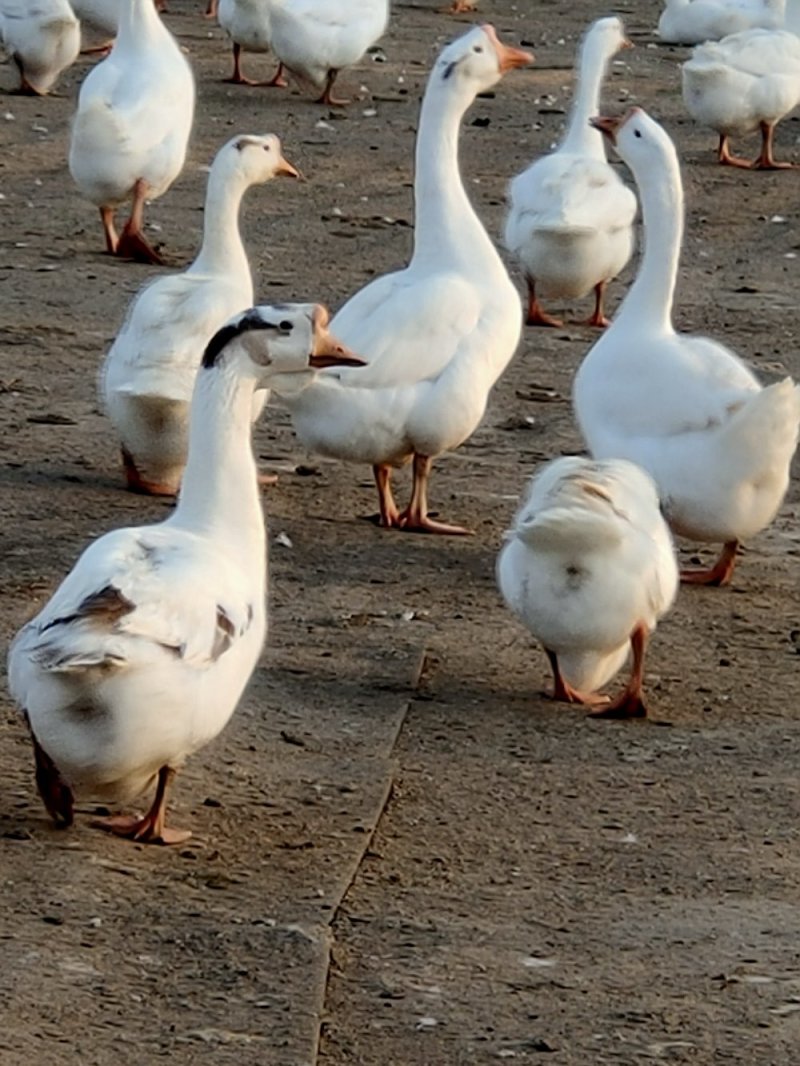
x=139, y=24
x=222, y=251
x=219, y=494
x=661, y=196
x=580, y=136
x=445, y=225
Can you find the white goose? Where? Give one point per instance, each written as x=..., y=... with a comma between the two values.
x=316, y=39
x=150, y=370
x=570, y=222
x=141, y=655
x=102, y=14
x=748, y=81
x=43, y=38
x=247, y=23
x=589, y=568
x=130, y=133
x=696, y=21
x=688, y=410
x=436, y=335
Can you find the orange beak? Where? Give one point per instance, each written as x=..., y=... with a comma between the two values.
x=286, y=168
x=508, y=58
x=327, y=350
x=607, y=126
x=627, y=43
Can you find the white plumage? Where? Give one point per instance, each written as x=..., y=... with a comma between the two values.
x=696, y=21
x=43, y=37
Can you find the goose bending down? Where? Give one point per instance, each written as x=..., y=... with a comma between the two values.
x=688, y=410
x=696, y=21
x=589, y=567
x=436, y=335
x=130, y=133
x=247, y=23
x=570, y=222
x=316, y=39
x=748, y=81
x=150, y=370
x=141, y=655
x=43, y=38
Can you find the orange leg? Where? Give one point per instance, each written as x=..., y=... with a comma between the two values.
x=630, y=704
x=597, y=318
x=389, y=515
x=724, y=154
x=327, y=95
x=415, y=517
x=562, y=690
x=152, y=828
x=720, y=573
x=537, y=316
x=461, y=7
x=136, y=483
x=110, y=230
x=211, y=10
x=56, y=795
x=132, y=242
x=98, y=49
x=25, y=87
x=766, y=160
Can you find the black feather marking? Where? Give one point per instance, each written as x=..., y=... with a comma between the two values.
x=226, y=632
x=448, y=70
x=223, y=337
x=107, y=605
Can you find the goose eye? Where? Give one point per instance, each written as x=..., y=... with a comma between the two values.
x=636, y=133
x=266, y=147
x=286, y=326
x=477, y=48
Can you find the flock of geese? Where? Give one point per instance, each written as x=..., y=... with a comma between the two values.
x=142, y=653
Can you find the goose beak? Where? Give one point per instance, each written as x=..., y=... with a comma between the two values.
x=327, y=350
x=508, y=58
x=285, y=168
x=607, y=126
x=627, y=43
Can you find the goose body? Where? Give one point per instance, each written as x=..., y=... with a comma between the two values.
x=132, y=126
x=570, y=220
x=748, y=81
x=43, y=37
x=143, y=652
x=315, y=39
x=436, y=335
x=685, y=408
x=248, y=24
x=696, y=21
x=150, y=370
x=103, y=14
x=589, y=568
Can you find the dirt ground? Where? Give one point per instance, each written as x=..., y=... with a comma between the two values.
x=404, y=853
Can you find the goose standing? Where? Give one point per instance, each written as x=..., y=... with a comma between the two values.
x=43, y=38
x=247, y=23
x=688, y=410
x=150, y=370
x=316, y=39
x=144, y=650
x=132, y=127
x=748, y=81
x=436, y=335
x=696, y=21
x=589, y=567
x=570, y=222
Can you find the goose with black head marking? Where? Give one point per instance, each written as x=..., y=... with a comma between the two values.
x=149, y=372
x=687, y=409
x=144, y=650
x=436, y=335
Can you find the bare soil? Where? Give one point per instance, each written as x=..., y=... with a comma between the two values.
x=404, y=853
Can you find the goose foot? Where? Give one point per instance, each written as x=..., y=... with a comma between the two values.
x=389, y=515
x=56, y=795
x=563, y=692
x=415, y=518
x=462, y=7
x=278, y=81
x=150, y=829
x=327, y=94
x=597, y=318
x=766, y=160
x=137, y=483
x=134, y=245
x=726, y=159
x=630, y=704
x=536, y=315
x=109, y=229
x=719, y=574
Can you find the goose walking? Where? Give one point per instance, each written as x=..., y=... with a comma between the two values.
x=570, y=222
x=436, y=335
x=150, y=370
x=248, y=24
x=43, y=38
x=143, y=652
x=132, y=127
x=687, y=409
x=589, y=567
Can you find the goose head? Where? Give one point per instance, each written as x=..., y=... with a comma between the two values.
x=281, y=345
x=254, y=159
x=638, y=139
x=478, y=59
x=609, y=35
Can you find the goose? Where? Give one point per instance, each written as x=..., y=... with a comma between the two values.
x=132, y=126
x=144, y=650
x=687, y=409
x=436, y=335
x=748, y=81
x=570, y=222
x=102, y=14
x=316, y=39
x=589, y=567
x=43, y=38
x=247, y=23
x=149, y=372
x=696, y=21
